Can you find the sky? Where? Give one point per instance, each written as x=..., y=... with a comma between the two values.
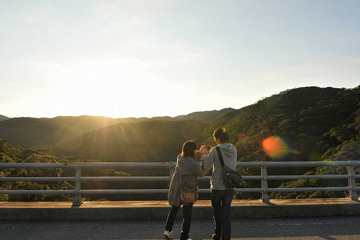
x=146, y=58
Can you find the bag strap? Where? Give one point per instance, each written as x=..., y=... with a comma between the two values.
x=220, y=156
x=180, y=172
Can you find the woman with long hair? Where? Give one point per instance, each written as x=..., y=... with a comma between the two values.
x=190, y=170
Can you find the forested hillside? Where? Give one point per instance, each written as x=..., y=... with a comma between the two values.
x=12, y=154
x=311, y=121
x=148, y=141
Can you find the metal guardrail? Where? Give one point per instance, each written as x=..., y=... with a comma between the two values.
x=264, y=178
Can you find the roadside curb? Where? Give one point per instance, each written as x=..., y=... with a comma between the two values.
x=147, y=210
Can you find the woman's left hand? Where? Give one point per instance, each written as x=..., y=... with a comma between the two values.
x=197, y=154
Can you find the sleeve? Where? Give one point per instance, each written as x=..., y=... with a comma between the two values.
x=234, y=162
x=198, y=170
x=209, y=160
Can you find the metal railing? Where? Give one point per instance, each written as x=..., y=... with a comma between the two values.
x=351, y=176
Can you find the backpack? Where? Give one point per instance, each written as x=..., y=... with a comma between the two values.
x=231, y=177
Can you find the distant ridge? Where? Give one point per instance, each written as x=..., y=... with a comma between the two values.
x=45, y=132
x=40, y=133
x=3, y=118
x=206, y=116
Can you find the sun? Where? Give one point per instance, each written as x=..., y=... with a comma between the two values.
x=111, y=96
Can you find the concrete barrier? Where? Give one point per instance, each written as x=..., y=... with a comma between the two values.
x=142, y=210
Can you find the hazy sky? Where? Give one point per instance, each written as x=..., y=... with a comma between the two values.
x=144, y=58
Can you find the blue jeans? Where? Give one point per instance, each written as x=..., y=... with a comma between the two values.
x=221, y=204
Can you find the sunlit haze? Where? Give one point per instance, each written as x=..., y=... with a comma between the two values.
x=141, y=58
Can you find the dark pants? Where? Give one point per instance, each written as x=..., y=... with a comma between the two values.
x=187, y=212
x=221, y=204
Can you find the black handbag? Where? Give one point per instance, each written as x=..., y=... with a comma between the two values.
x=231, y=177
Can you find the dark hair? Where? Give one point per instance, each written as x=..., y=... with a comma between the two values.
x=221, y=133
x=188, y=149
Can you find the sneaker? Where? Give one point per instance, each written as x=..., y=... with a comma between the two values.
x=215, y=237
x=168, y=234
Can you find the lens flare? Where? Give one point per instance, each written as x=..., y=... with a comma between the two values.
x=275, y=147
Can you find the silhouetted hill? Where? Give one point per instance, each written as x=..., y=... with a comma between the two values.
x=46, y=132
x=147, y=141
x=37, y=133
x=206, y=116
x=3, y=118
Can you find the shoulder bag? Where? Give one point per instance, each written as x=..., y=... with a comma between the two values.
x=231, y=177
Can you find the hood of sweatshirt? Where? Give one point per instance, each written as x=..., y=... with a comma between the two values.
x=228, y=149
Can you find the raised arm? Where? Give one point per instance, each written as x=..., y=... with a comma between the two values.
x=197, y=169
x=209, y=159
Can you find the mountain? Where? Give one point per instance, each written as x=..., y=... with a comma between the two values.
x=309, y=121
x=206, y=116
x=38, y=133
x=147, y=141
x=45, y=132
x=302, y=124
x=3, y=118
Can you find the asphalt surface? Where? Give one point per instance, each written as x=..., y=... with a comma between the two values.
x=334, y=228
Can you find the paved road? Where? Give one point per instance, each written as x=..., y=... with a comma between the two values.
x=339, y=228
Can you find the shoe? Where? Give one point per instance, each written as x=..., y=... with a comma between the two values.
x=168, y=234
x=215, y=237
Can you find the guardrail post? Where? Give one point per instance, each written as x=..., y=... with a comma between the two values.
x=77, y=197
x=264, y=185
x=352, y=183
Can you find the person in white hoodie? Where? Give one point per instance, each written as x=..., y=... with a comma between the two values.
x=221, y=197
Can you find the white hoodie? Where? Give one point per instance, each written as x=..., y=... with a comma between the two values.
x=229, y=154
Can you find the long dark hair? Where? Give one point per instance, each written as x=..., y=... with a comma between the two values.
x=188, y=149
